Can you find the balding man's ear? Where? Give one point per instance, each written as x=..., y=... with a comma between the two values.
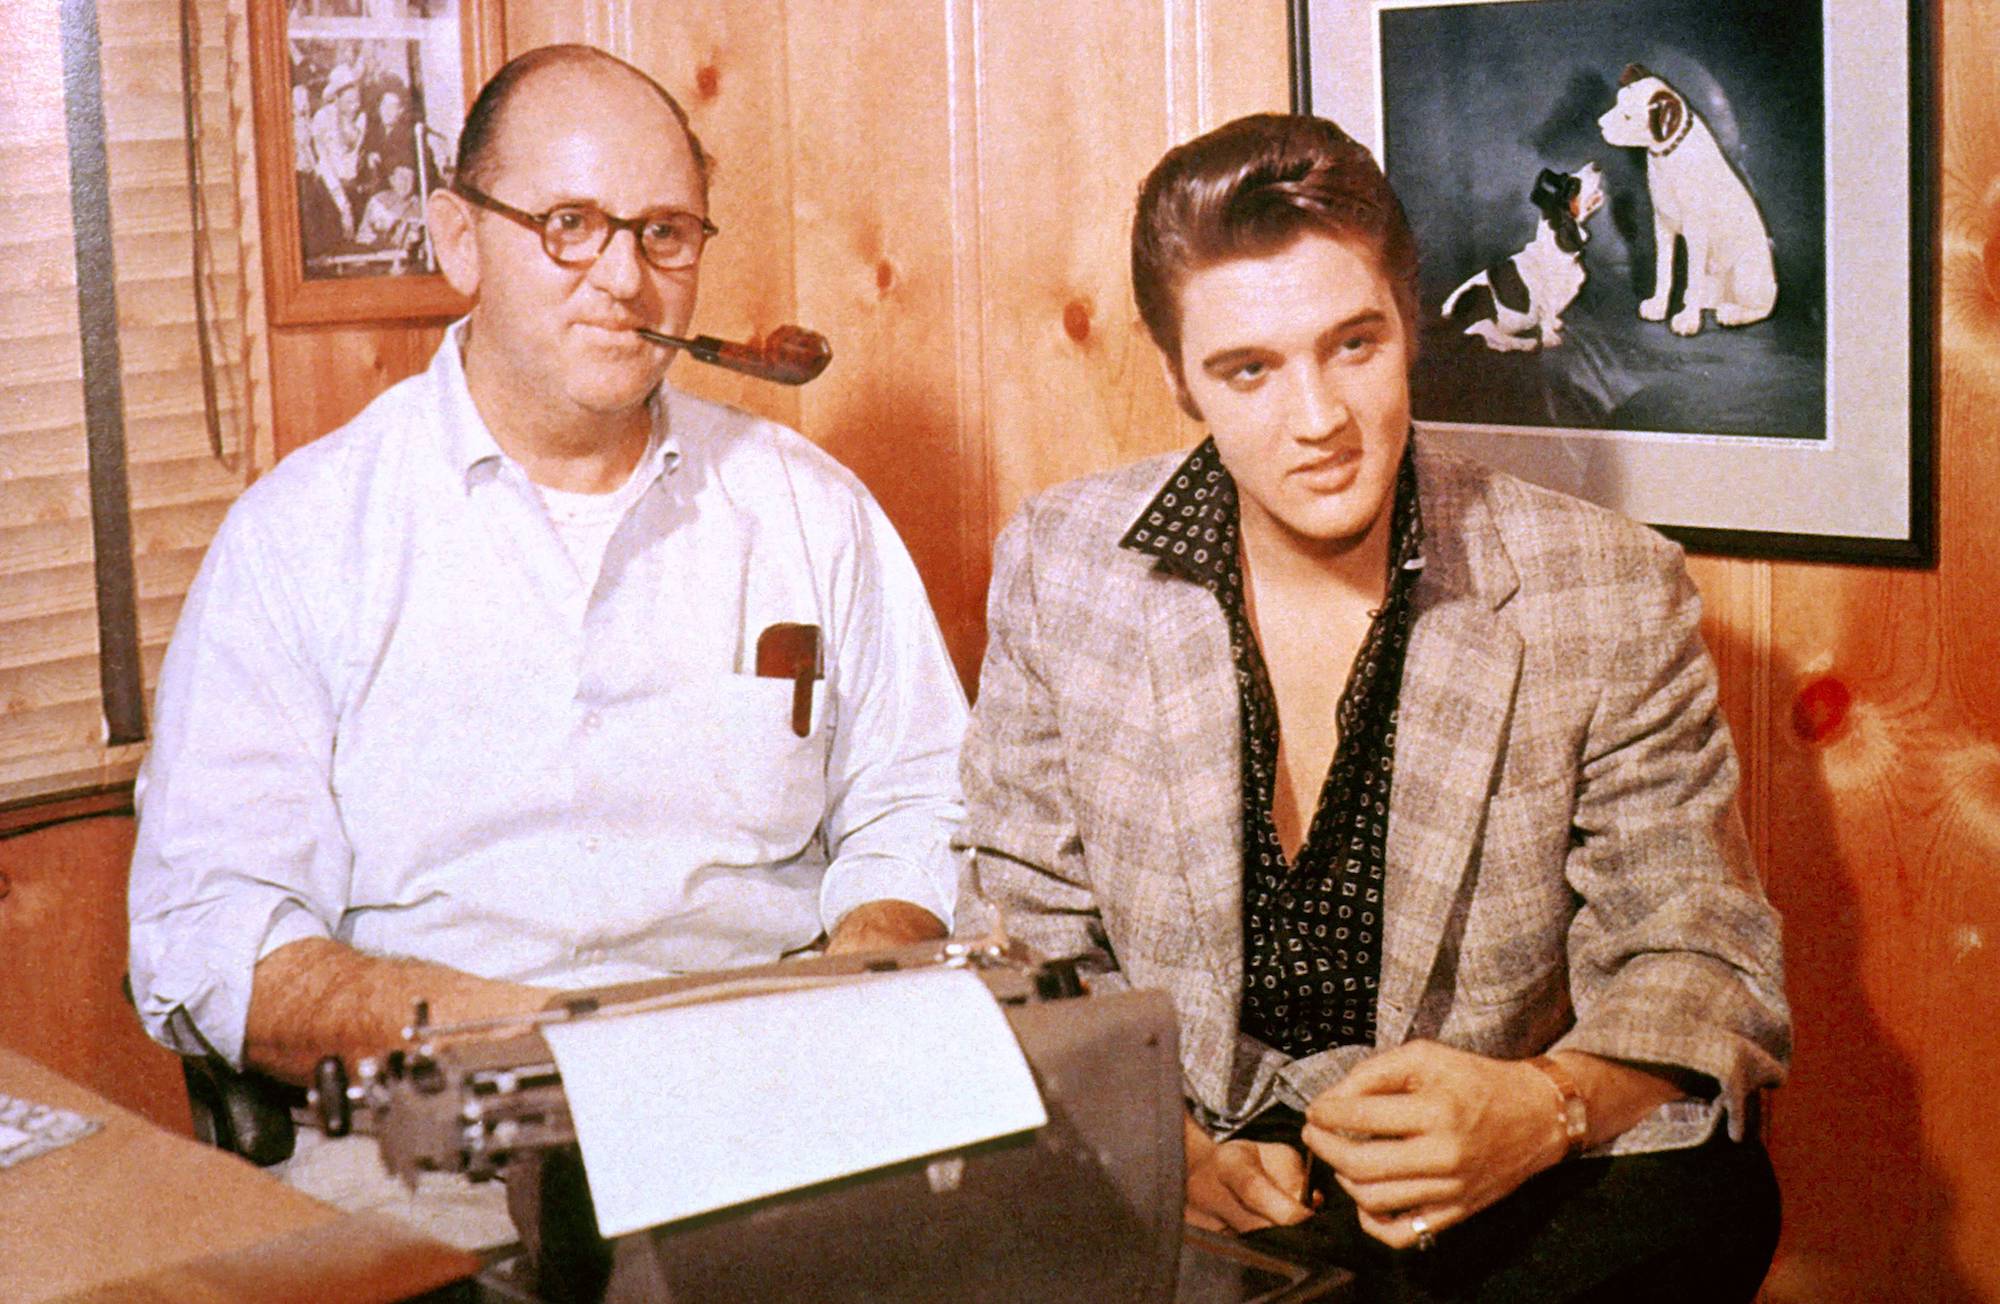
x=1178, y=384
x=450, y=219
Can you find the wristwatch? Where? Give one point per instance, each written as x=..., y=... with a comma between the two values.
x=1571, y=1112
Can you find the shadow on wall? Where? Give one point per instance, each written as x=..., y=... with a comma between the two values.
x=1865, y=1215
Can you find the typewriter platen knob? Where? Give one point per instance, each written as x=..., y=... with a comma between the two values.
x=329, y=1096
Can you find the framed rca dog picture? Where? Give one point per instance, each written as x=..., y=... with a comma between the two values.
x=357, y=105
x=1676, y=254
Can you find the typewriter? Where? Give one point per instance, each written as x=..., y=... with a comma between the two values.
x=1086, y=1207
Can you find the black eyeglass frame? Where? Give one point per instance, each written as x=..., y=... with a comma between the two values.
x=539, y=224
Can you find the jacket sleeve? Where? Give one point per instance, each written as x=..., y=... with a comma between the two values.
x=1021, y=830
x=1674, y=951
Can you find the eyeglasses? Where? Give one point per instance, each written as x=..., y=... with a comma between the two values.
x=575, y=234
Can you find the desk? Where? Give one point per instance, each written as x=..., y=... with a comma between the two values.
x=135, y=1213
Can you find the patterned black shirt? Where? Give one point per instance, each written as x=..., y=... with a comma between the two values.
x=1312, y=930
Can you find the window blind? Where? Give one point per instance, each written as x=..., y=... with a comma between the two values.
x=187, y=448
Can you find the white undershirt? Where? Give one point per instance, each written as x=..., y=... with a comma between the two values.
x=585, y=522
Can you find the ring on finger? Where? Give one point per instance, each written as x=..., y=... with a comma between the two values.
x=1426, y=1238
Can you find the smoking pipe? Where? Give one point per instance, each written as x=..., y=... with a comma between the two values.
x=789, y=355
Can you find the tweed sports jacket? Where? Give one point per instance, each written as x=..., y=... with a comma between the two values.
x=1566, y=866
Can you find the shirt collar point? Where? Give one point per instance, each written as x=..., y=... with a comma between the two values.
x=1188, y=527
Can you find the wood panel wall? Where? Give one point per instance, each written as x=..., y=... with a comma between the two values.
x=1879, y=713
x=942, y=185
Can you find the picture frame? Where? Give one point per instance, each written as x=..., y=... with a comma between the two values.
x=1802, y=433
x=357, y=106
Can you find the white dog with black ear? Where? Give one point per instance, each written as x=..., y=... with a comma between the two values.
x=1698, y=196
x=1517, y=304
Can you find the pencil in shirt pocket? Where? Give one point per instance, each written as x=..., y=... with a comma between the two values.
x=791, y=651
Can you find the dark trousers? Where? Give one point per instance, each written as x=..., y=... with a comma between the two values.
x=1680, y=1225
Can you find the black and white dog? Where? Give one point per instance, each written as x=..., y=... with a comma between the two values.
x=1517, y=304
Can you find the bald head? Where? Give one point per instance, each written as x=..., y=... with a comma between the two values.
x=482, y=145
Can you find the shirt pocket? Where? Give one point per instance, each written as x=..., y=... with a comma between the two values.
x=763, y=786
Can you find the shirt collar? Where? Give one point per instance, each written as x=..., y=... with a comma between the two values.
x=474, y=454
x=1190, y=525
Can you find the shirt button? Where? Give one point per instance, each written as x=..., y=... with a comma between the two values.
x=591, y=720
x=592, y=843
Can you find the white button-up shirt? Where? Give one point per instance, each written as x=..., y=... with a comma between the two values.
x=395, y=714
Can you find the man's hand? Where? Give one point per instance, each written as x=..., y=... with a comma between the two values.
x=1241, y=1186
x=881, y=924
x=1425, y=1129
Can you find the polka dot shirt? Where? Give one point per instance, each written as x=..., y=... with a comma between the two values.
x=1312, y=929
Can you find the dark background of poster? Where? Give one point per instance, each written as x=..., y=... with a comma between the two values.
x=1478, y=98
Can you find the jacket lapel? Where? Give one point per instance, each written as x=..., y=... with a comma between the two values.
x=1200, y=830
x=1459, y=677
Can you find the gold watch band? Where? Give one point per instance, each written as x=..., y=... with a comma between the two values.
x=1571, y=1112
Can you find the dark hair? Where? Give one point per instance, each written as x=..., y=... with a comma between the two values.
x=1250, y=188
x=479, y=142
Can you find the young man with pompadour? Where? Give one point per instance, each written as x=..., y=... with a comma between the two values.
x=1406, y=779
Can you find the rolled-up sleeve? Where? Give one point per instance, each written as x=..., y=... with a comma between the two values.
x=240, y=847
x=893, y=800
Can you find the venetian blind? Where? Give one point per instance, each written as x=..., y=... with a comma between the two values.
x=186, y=444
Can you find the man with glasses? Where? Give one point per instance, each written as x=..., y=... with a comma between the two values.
x=539, y=673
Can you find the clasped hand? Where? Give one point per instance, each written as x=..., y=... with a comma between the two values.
x=1424, y=1129
x=1420, y=1129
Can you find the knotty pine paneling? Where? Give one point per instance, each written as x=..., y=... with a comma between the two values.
x=322, y=376
x=1736, y=609
x=878, y=268
x=726, y=63
x=1884, y=827
x=1075, y=103
x=1241, y=63
x=532, y=23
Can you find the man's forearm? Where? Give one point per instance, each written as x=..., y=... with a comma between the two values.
x=316, y=997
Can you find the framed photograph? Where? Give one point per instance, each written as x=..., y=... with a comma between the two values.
x=358, y=105
x=1677, y=255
